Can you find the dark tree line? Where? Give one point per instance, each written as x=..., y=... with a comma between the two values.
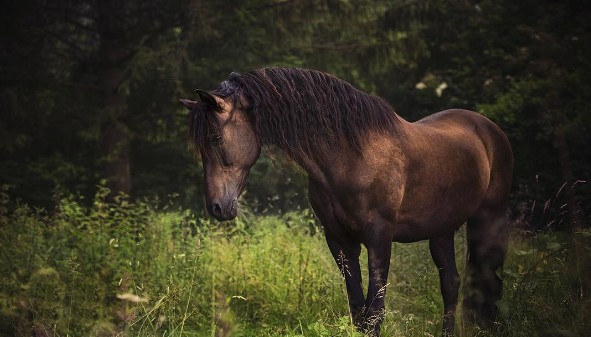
x=89, y=89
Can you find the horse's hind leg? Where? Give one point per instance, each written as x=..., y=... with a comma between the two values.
x=487, y=234
x=443, y=253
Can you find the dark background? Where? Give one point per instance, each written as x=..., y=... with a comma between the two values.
x=89, y=89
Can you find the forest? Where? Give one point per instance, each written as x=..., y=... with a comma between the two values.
x=103, y=228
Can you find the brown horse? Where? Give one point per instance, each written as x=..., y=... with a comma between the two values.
x=374, y=178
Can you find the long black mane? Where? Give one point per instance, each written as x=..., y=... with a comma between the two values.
x=297, y=109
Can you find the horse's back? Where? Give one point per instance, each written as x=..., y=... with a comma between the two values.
x=458, y=118
x=470, y=122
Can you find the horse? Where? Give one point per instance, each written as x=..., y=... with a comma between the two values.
x=373, y=178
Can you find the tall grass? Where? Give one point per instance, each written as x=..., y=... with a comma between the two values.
x=134, y=269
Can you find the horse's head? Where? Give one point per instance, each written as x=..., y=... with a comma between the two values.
x=228, y=146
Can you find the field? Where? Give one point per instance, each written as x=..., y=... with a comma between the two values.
x=135, y=269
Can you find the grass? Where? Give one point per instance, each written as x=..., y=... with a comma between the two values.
x=133, y=269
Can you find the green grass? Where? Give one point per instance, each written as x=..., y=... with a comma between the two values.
x=133, y=269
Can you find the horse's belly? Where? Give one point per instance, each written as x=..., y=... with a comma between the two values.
x=412, y=232
x=431, y=219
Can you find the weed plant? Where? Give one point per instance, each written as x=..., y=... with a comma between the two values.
x=134, y=269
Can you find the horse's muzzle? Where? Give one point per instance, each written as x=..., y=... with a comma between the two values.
x=224, y=211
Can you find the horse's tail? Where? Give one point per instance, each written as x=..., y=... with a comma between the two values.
x=487, y=234
x=487, y=246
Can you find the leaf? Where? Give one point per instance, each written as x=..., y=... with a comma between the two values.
x=503, y=306
x=132, y=298
x=524, y=252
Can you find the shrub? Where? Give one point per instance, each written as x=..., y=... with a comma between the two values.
x=136, y=269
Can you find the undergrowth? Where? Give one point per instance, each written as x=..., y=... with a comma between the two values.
x=135, y=269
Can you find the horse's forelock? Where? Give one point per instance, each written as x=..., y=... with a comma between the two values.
x=203, y=122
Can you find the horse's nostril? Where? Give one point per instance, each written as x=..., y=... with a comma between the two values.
x=217, y=210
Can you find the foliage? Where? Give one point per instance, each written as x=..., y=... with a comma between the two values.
x=523, y=64
x=136, y=269
x=99, y=266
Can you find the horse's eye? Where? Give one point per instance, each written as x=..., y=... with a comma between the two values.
x=216, y=140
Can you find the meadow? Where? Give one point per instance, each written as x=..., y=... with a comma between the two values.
x=148, y=268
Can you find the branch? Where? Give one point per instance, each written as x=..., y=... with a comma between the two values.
x=270, y=5
x=65, y=41
x=80, y=25
x=152, y=33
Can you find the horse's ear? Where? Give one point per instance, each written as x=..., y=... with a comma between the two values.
x=208, y=99
x=188, y=103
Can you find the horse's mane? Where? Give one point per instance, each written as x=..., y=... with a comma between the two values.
x=297, y=109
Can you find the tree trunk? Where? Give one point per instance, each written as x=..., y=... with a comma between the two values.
x=114, y=136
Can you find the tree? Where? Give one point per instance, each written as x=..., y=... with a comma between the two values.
x=89, y=90
x=76, y=73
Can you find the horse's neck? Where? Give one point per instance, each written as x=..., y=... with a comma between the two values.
x=312, y=168
x=337, y=162
x=328, y=162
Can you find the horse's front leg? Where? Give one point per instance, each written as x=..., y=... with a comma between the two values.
x=346, y=255
x=379, y=249
x=344, y=249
